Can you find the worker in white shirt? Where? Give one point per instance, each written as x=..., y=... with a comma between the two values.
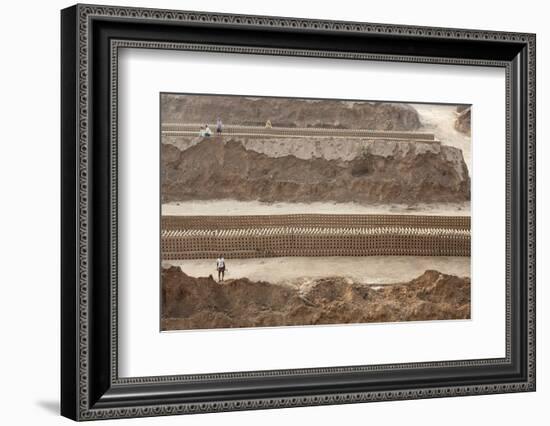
x=220, y=266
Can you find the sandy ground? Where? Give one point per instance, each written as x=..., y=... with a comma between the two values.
x=232, y=207
x=439, y=119
x=299, y=271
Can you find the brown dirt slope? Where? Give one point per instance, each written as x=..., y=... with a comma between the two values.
x=197, y=303
x=285, y=112
x=400, y=172
x=463, y=122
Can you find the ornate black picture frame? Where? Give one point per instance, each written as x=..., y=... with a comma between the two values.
x=91, y=36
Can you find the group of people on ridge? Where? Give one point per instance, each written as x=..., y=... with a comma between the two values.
x=206, y=132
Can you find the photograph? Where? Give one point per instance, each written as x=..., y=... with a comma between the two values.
x=280, y=211
x=288, y=207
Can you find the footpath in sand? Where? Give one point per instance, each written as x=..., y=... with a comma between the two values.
x=238, y=208
x=298, y=271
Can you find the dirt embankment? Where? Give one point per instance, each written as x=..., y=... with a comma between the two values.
x=285, y=112
x=198, y=303
x=463, y=121
x=386, y=171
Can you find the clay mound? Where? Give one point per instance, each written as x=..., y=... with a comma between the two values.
x=189, y=302
x=284, y=112
x=196, y=303
x=435, y=287
x=385, y=172
x=463, y=121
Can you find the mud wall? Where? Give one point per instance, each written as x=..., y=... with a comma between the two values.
x=381, y=172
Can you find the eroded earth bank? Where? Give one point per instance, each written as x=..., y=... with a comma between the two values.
x=366, y=171
x=202, y=303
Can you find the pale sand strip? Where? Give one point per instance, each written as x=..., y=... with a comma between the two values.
x=236, y=208
x=370, y=269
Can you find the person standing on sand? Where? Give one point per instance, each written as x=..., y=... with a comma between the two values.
x=219, y=126
x=220, y=266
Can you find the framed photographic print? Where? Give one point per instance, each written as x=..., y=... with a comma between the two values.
x=263, y=212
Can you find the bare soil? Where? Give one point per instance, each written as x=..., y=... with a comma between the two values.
x=202, y=303
x=388, y=172
x=463, y=122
